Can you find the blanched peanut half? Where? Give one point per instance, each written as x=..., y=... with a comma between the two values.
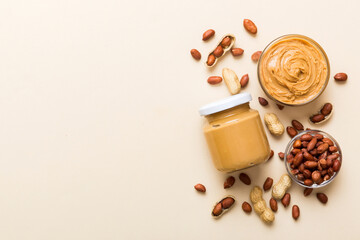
x=231, y=80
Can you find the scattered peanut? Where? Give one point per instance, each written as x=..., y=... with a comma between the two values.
x=268, y=183
x=260, y=207
x=222, y=206
x=324, y=114
x=244, y=80
x=263, y=101
x=286, y=199
x=291, y=131
x=221, y=48
x=295, y=212
x=231, y=80
x=208, y=34
x=245, y=178
x=273, y=204
x=199, y=187
x=340, y=77
x=229, y=182
x=237, y=51
x=280, y=188
x=322, y=197
x=256, y=56
x=246, y=207
x=297, y=125
x=273, y=124
x=195, y=54
x=307, y=191
x=214, y=80
x=250, y=26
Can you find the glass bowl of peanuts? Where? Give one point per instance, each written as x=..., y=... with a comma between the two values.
x=313, y=158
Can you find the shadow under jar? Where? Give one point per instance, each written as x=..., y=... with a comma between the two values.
x=293, y=70
x=300, y=173
x=234, y=133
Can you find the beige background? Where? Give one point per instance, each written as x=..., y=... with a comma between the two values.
x=99, y=131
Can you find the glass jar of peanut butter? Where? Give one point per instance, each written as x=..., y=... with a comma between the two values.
x=234, y=133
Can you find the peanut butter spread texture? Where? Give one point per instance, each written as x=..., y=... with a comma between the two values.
x=293, y=70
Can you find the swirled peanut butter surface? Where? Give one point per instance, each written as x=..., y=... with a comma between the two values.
x=293, y=70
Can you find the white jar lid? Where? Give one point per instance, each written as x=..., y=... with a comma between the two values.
x=225, y=103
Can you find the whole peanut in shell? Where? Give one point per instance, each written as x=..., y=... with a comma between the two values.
x=280, y=188
x=273, y=124
x=260, y=207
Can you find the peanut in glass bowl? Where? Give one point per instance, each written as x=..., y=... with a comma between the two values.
x=289, y=147
x=293, y=70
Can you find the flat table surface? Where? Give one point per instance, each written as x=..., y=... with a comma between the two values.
x=100, y=133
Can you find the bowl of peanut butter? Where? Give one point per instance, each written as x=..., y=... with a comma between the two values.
x=293, y=70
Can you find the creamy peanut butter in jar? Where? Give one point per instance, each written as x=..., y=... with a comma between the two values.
x=293, y=70
x=234, y=133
